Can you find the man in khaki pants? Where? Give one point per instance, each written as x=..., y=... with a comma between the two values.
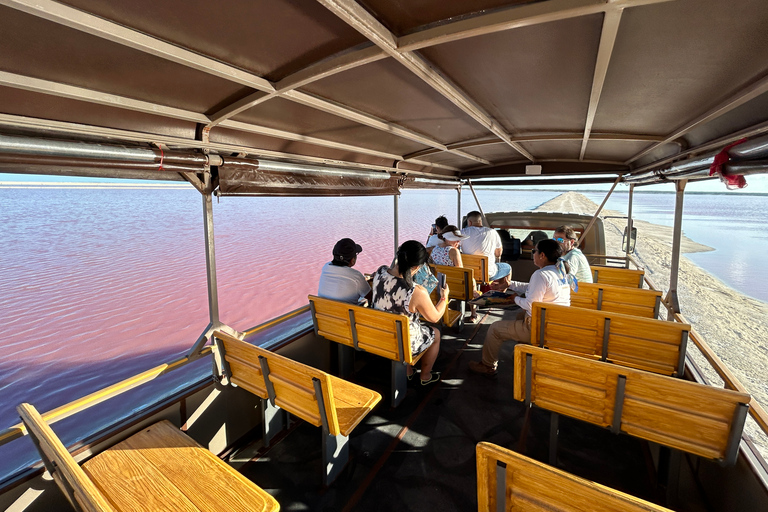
x=548, y=284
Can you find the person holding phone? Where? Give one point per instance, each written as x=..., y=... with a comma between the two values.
x=395, y=291
x=433, y=240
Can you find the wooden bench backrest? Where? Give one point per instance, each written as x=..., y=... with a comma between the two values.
x=645, y=343
x=459, y=281
x=80, y=490
x=479, y=264
x=617, y=276
x=378, y=332
x=530, y=483
x=618, y=299
x=295, y=387
x=688, y=416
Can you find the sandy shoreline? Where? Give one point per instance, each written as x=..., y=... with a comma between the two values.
x=734, y=325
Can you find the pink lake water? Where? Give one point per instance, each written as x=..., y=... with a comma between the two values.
x=101, y=284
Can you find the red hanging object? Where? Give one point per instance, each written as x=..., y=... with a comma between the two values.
x=162, y=157
x=731, y=182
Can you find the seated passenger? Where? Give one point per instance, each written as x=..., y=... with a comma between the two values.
x=510, y=246
x=485, y=241
x=548, y=284
x=434, y=234
x=566, y=237
x=338, y=280
x=394, y=291
x=447, y=251
x=533, y=238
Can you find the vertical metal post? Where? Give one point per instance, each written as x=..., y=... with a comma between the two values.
x=629, y=222
x=397, y=222
x=210, y=260
x=677, y=237
x=472, y=189
x=458, y=206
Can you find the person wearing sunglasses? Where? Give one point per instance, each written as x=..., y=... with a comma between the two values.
x=548, y=284
x=566, y=237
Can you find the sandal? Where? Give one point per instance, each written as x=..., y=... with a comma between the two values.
x=433, y=377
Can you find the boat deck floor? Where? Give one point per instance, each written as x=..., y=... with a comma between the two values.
x=421, y=455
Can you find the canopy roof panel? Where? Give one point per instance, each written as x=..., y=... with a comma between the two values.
x=417, y=87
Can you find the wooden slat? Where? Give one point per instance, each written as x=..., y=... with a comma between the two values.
x=672, y=412
x=346, y=404
x=459, y=281
x=633, y=341
x=85, y=491
x=376, y=330
x=617, y=299
x=353, y=403
x=533, y=486
x=617, y=276
x=479, y=265
x=292, y=381
x=165, y=469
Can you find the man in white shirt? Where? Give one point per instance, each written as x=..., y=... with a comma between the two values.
x=485, y=241
x=579, y=266
x=338, y=280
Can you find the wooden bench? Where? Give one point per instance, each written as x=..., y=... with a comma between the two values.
x=644, y=343
x=366, y=329
x=617, y=276
x=461, y=288
x=479, y=265
x=684, y=415
x=157, y=469
x=618, y=299
x=325, y=401
x=531, y=485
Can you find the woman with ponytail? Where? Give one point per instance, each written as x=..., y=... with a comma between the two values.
x=394, y=291
x=548, y=284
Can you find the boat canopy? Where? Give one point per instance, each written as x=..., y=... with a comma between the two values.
x=335, y=97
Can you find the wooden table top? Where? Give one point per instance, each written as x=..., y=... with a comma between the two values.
x=162, y=469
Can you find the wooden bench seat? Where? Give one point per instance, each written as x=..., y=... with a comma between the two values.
x=618, y=276
x=479, y=265
x=325, y=401
x=157, y=469
x=698, y=419
x=618, y=299
x=645, y=343
x=461, y=288
x=530, y=485
x=365, y=329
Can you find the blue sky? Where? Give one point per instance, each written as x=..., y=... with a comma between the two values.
x=755, y=184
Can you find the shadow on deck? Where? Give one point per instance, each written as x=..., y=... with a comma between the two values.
x=421, y=456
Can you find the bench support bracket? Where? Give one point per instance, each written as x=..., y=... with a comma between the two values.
x=274, y=420
x=346, y=357
x=335, y=456
x=399, y=382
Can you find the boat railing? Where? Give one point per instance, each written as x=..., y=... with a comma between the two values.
x=86, y=402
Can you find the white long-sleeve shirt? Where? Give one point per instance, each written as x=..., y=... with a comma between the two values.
x=545, y=286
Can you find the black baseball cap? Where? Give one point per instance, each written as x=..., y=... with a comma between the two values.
x=346, y=249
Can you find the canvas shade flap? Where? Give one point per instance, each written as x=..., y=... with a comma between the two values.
x=235, y=181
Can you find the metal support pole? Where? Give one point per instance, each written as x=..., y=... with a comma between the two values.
x=397, y=222
x=597, y=213
x=629, y=221
x=482, y=213
x=210, y=260
x=677, y=237
x=458, y=207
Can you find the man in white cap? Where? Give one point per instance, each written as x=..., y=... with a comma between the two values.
x=338, y=280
